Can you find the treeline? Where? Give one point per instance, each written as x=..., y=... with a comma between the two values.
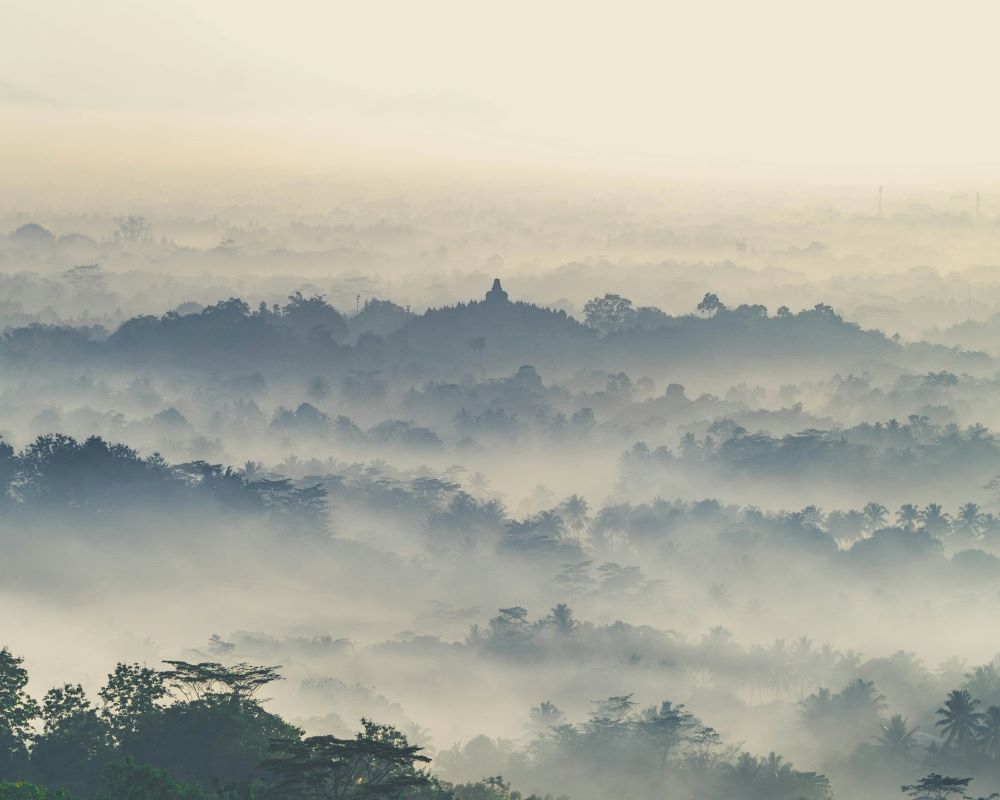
x=892, y=455
x=59, y=474
x=915, y=528
x=865, y=746
x=752, y=675
x=461, y=515
x=960, y=737
x=623, y=750
x=307, y=332
x=196, y=731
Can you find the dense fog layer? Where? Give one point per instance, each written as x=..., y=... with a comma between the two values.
x=739, y=461
x=443, y=401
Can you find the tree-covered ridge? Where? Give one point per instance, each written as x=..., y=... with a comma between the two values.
x=457, y=513
x=899, y=457
x=58, y=474
x=307, y=332
x=443, y=513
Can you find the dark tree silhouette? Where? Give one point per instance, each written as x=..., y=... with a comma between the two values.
x=378, y=763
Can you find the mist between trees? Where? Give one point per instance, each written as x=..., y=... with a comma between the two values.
x=589, y=547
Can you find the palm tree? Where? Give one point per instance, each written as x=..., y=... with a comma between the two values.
x=547, y=715
x=549, y=523
x=849, y=661
x=845, y=526
x=896, y=737
x=817, y=707
x=479, y=483
x=970, y=520
x=574, y=510
x=875, y=515
x=989, y=732
x=775, y=766
x=959, y=719
x=746, y=770
x=611, y=523
x=907, y=516
x=935, y=520
x=803, y=660
x=989, y=525
x=984, y=682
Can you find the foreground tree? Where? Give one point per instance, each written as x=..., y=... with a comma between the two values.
x=936, y=787
x=127, y=780
x=218, y=738
x=30, y=791
x=988, y=735
x=377, y=763
x=130, y=696
x=75, y=744
x=17, y=711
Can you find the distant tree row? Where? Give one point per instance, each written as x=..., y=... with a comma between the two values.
x=59, y=474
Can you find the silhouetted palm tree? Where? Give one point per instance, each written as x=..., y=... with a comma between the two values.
x=875, y=516
x=746, y=769
x=549, y=523
x=896, y=737
x=907, y=516
x=989, y=732
x=547, y=715
x=969, y=520
x=984, y=682
x=935, y=520
x=479, y=483
x=959, y=719
x=574, y=510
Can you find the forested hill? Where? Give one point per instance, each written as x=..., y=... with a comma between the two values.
x=307, y=334
x=93, y=480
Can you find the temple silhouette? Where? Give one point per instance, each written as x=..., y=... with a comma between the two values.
x=497, y=294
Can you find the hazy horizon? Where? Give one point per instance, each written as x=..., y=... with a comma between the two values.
x=775, y=92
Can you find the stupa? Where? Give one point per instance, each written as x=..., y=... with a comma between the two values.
x=497, y=294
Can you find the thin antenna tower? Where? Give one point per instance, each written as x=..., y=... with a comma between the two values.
x=357, y=304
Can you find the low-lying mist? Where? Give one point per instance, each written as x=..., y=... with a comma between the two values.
x=605, y=524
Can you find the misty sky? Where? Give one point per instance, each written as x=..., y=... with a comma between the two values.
x=847, y=89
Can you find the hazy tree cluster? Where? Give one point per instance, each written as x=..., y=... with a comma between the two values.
x=900, y=458
x=625, y=750
x=58, y=474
